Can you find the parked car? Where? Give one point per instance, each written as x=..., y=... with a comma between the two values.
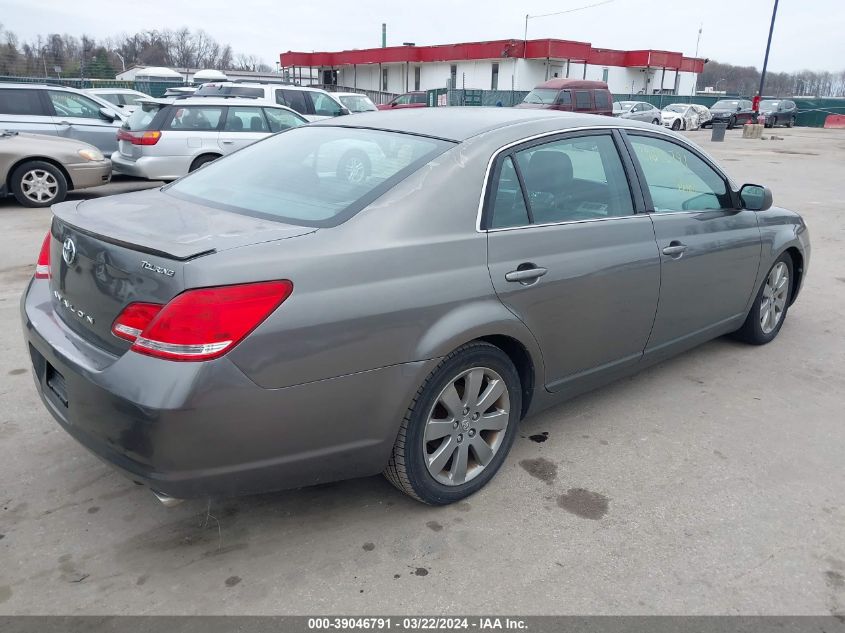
x=123, y=98
x=681, y=116
x=355, y=102
x=168, y=138
x=312, y=103
x=60, y=111
x=637, y=111
x=779, y=112
x=704, y=115
x=731, y=111
x=39, y=170
x=261, y=325
x=570, y=95
x=415, y=99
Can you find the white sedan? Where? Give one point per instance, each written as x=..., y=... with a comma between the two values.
x=684, y=116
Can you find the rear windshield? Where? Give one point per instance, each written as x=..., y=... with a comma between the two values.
x=357, y=103
x=233, y=91
x=541, y=95
x=141, y=118
x=312, y=176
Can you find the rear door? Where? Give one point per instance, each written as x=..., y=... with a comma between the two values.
x=243, y=126
x=78, y=117
x=569, y=255
x=25, y=110
x=295, y=100
x=710, y=250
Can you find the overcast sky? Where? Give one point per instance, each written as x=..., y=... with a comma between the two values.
x=808, y=33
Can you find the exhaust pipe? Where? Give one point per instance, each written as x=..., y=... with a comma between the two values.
x=166, y=500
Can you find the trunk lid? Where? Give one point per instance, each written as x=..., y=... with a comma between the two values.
x=109, y=252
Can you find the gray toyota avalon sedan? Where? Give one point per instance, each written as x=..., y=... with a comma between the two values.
x=266, y=323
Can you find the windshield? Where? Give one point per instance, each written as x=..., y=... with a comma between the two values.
x=141, y=118
x=623, y=105
x=228, y=91
x=675, y=108
x=357, y=103
x=541, y=95
x=725, y=105
x=311, y=176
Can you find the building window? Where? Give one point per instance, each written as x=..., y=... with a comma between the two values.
x=416, y=77
x=453, y=75
x=494, y=79
x=384, y=79
x=604, y=74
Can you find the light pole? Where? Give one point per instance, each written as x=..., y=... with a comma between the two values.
x=122, y=62
x=768, y=46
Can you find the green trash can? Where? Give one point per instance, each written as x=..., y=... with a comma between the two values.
x=718, y=134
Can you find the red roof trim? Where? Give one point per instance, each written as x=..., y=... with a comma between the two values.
x=496, y=49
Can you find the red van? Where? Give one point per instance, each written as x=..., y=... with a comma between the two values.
x=571, y=95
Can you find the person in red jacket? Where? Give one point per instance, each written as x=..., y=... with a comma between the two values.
x=755, y=106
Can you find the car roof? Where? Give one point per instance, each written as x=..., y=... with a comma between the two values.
x=572, y=83
x=217, y=101
x=458, y=124
x=107, y=90
x=258, y=84
x=38, y=86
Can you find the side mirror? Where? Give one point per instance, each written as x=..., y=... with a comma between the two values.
x=344, y=111
x=755, y=197
x=109, y=115
x=739, y=108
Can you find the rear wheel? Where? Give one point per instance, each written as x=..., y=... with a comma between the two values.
x=37, y=183
x=459, y=428
x=676, y=125
x=774, y=122
x=199, y=161
x=731, y=122
x=770, y=306
x=656, y=121
x=791, y=122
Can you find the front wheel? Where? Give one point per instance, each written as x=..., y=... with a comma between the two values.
x=732, y=123
x=38, y=184
x=791, y=122
x=676, y=125
x=774, y=122
x=656, y=121
x=459, y=427
x=770, y=305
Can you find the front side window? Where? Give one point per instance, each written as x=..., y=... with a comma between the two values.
x=677, y=179
x=74, y=105
x=294, y=99
x=402, y=100
x=358, y=103
x=541, y=95
x=303, y=177
x=582, y=100
x=195, y=118
x=282, y=119
x=324, y=105
x=575, y=179
x=508, y=202
x=565, y=98
x=418, y=98
x=241, y=119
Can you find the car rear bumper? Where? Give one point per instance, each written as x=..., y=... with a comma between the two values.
x=90, y=174
x=197, y=429
x=152, y=167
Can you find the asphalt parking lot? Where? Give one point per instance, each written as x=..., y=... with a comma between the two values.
x=711, y=484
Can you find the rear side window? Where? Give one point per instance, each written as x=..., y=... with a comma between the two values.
x=508, y=203
x=142, y=117
x=195, y=118
x=243, y=119
x=602, y=100
x=15, y=101
x=579, y=178
x=294, y=99
x=582, y=100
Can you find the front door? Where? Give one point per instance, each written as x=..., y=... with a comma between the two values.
x=570, y=257
x=709, y=249
x=79, y=118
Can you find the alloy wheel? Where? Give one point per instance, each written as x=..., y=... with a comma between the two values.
x=39, y=185
x=466, y=426
x=775, y=293
x=354, y=170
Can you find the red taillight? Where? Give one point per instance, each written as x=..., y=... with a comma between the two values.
x=200, y=324
x=42, y=266
x=139, y=138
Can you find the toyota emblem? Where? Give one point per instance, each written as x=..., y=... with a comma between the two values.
x=68, y=251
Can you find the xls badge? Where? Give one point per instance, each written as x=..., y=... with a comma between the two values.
x=145, y=265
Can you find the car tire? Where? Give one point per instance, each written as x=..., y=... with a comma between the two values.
x=774, y=122
x=353, y=167
x=791, y=122
x=656, y=121
x=762, y=325
x=439, y=471
x=731, y=123
x=676, y=124
x=199, y=161
x=37, y=183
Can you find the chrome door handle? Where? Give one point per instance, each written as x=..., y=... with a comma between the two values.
x=526, y=274
x=675, y=249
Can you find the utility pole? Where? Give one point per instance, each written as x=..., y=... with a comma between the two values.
x=697, y=42
x=768, y=46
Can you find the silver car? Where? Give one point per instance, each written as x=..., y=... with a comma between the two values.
x=637, y=111
x=165, y=139
x=124, y=98
x=60, y=111
x=264, y=324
